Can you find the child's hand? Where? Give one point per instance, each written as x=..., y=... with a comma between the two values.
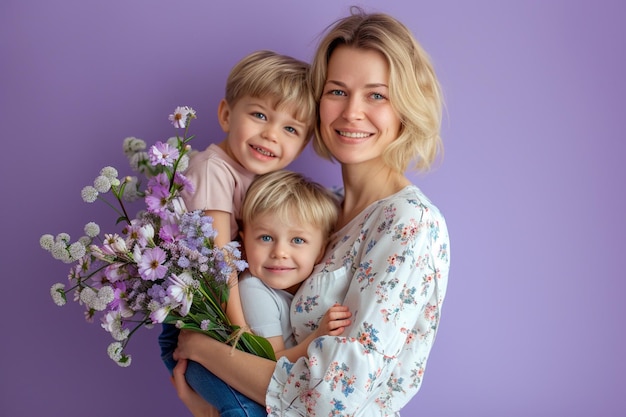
x=334, y=321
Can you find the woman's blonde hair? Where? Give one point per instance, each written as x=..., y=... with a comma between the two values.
x=414, y=90
x=282, y=78
x=288, y=194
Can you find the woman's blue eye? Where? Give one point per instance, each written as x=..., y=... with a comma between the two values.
x=266, y=238
x=378, y=96
x=298, y=240
x=337, y=93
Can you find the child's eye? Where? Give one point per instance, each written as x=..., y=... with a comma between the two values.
x=291, y=130
x=266, y=238
x=336, y=93
x=259, y=115
x=298, y=240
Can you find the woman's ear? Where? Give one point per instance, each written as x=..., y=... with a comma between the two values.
x=223, y=115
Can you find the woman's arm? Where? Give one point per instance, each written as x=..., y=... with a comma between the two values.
x=247, y=373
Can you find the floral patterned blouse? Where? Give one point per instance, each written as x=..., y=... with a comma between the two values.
x=389, y=265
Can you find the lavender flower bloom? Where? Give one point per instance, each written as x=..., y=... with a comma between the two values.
x=159, y=180
x=151, y=265
x=163, y=154
x=183, y=182
x=156, y=202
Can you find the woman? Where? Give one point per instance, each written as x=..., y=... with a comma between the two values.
x=379, y=110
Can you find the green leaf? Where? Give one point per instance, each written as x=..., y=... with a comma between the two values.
x=257, y=345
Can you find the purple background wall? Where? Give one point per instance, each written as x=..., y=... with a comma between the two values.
x=532, y=185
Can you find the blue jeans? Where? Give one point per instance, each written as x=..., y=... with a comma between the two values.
x=229, y=402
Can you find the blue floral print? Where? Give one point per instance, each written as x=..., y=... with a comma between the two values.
x=390, y=266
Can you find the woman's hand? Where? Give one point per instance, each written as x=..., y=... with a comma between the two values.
x=195, y=403
x=188, y=342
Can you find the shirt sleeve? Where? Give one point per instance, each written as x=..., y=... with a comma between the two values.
x=395, y=296
x=214, y=185
x=260, y=307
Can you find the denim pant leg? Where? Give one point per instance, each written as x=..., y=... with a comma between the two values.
x=229, y=402
x=168, y=339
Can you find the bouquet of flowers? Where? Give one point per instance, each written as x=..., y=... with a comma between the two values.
x=162, y=265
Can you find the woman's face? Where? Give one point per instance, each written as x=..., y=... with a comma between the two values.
x=357, y=121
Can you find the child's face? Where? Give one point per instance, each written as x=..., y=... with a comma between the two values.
x=282, y=252
x=259, y=137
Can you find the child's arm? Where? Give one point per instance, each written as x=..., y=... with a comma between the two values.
x=221, y=223
x=332, y=324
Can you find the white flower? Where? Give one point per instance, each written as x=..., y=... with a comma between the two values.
x=147, y=232
x=131, y=190
x=179, y=324
x=181, y=116
x=112, y=323
x=124, y=361
x=132, y=145
x=182, y=290
x=109, y=172
x=92, y=229
x=183, y=163
x=114, y=243
x=204, y=324
x=46, y=241
x=139, y=161
x=85, y=241
x=115, y=351
x=102, y=184
x=106, y=294
x=59, y=251
x=89, y=194
x=160, y=314
x=87, y=295
x=58, y=294
x=63, y=237
x=77, y=250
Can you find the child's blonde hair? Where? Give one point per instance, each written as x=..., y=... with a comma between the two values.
x=282, y=78
x=288, y=194
x=414, y=91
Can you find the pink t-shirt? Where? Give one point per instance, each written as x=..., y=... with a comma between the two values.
x=220, y=183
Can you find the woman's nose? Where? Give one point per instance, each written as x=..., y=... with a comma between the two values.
x=353, y=109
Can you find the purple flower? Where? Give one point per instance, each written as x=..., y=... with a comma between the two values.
x=156, y=202
x=185, y=184
x=169, y=232
x=151, y=265
x=159, y=180
x=163, y=154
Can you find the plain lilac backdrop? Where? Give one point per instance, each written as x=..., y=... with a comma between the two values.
x=532, y=186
